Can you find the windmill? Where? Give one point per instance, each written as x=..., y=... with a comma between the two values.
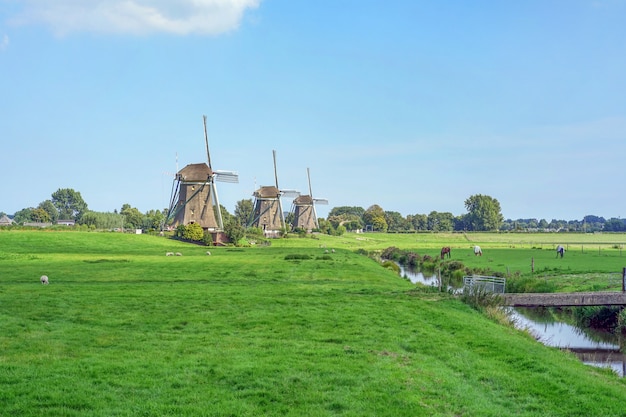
x=267, y=213
x=194, y=196
x=305, y=216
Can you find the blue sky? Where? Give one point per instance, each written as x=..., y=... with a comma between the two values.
x=411, y=105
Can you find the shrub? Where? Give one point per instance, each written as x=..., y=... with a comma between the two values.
x=193, y=231
x=234, y=231
x=391, y=265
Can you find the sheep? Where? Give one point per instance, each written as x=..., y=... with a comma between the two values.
x=169, y=253
x=332, y=250
x=208, y=253
x=44, y=280
x=179, y=254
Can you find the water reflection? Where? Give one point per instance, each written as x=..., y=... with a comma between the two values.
x=418, y=277
x=592, y=347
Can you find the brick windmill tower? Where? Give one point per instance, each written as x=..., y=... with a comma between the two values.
x=303, y=208
x=267, y=213
x=194, y=197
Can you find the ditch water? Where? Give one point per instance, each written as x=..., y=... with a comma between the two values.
x=593, y=348
x=418, y=276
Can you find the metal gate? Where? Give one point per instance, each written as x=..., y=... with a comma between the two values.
x=491, y=284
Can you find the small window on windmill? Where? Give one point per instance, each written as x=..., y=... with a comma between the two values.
x=193, y=188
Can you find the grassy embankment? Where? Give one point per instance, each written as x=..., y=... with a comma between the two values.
x=124, y=330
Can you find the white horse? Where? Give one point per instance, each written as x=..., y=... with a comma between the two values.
x=478, y=251
x=560, y=250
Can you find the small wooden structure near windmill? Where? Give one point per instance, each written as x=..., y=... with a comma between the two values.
x=305, y=216
x=194, y=196
x=267, y=213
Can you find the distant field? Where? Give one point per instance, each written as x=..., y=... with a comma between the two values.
x=285, y=330
x=586, y=254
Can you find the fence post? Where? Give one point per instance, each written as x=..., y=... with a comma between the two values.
x=624, y=279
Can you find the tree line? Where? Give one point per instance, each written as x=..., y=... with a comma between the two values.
x=483, y=214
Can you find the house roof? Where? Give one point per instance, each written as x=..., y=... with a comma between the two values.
x=4, y=220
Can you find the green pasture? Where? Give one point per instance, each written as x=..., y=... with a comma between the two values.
x=284, y=330
x=592, y=262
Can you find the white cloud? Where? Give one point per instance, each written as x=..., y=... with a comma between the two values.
x=179, y=17
x=4, y=42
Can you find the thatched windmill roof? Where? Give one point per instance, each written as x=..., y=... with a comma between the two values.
x=303, y=200
x=195, y=172
x=267, y=192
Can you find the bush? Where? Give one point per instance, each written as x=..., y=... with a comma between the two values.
x=193, y=231
x=234, y=231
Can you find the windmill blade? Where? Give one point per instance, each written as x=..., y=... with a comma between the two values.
x=275, y=171
x=321, y=201
x=308, y=175
x=290, y=193
x=206, y=141
x=226, y=176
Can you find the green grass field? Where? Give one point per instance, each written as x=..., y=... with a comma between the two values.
x=285, y=330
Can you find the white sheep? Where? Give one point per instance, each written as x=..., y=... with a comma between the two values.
x=169, y=253
x=208, y=253
x=44, y=279
x=179, y=254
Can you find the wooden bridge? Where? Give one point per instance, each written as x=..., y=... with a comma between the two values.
x=573, y=299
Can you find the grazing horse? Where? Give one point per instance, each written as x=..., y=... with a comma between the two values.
x=560, y=250
x=478, y=251
x=445, y=251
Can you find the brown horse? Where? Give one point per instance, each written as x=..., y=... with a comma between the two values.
x=445, y=251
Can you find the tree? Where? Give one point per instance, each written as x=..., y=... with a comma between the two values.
x=484, y=213
x=418, y=221
x=347, y=210
x=69, y=203
x=375, y=215
x=614, y=225
x=440, y=222
x=226, y=216
x=24, y=215
x=153, y=219
x=350, y=221
x=395, y=222
x=40, y=215
x=243, y=211
x=234, y=230
x=48, y=206
x=133, y=219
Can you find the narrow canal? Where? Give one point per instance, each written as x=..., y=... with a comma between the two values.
x=593, y=348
